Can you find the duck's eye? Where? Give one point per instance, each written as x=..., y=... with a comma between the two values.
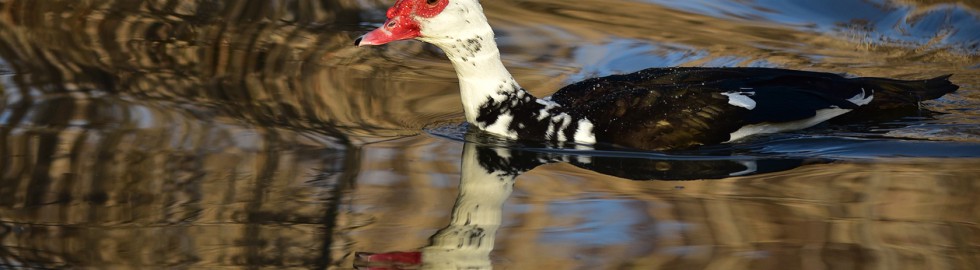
x=431, y=2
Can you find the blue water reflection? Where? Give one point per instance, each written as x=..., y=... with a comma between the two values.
x=879, y=22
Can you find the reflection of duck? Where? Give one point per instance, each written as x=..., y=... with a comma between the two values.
x=468, y=239
x=487, y=179
x=650, y=109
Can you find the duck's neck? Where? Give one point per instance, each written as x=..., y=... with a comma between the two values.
x=482, y=76
x=494, y=102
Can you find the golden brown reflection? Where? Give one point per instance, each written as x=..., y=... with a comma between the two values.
x=286, y=63
x=156, y=134
x=148, y=186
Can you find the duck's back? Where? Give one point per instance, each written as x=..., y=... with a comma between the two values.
x=669, y=108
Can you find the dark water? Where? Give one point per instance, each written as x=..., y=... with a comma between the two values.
x=206, y=134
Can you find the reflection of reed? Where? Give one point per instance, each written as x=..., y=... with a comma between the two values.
x=272, y=62
x=106, y=182
x=972, y=4
x=729, y=38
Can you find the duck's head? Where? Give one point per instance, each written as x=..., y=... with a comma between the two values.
x=440, y=22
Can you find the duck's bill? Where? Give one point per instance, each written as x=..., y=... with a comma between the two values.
x=394, y=29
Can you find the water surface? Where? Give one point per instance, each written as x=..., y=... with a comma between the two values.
x=154, y=134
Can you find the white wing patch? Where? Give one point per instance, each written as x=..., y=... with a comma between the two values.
x=763, y=128
x=741, y=99
x=737, y=99
x=861, y=99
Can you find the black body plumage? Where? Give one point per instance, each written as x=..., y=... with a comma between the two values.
x=671, y=108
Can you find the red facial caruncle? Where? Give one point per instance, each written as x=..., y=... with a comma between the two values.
x=401, y=23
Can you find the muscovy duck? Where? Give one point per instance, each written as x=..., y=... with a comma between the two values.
x=655, y=109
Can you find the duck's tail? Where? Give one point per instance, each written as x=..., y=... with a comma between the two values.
x=899, y=94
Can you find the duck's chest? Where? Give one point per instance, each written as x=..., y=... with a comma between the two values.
x=534, y=119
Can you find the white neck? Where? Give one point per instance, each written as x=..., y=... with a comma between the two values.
x=492, y=100
x=482, y=75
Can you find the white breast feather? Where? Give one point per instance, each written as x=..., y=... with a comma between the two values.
x=584, y=132
x=502, y=126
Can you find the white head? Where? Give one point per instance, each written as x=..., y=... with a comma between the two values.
x=461, y=30
x=440, y=22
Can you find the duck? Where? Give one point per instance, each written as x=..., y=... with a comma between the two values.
x=651, y=109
